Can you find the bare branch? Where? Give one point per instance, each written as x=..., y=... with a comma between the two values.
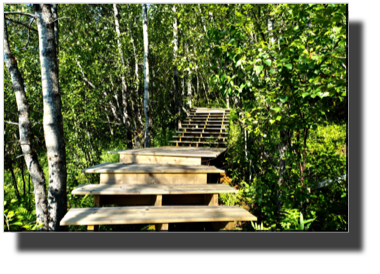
x=22, y=13
x=60, y=18
x=9, y=122
x=21, y=23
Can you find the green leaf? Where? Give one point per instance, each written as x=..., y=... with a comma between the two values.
x=259, y=68
x=305, y=94
x=278, y=118
x=272, y=71
x=276, y=109
x=283, y=98
x=268, y=62
x=288, y=66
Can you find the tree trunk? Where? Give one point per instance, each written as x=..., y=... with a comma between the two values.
x=124, y=96
x=30, y=156
x=175, y=70
x=239, y=107
x=189, y=80
x=146, y=77
x=53, y=122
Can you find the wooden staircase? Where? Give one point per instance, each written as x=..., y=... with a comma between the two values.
x=159, y=186
x=204, y=127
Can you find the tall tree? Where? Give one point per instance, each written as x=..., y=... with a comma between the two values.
x=146, y=78
x=124, y=96
x=53, y=122
x=30, y=156
x=175, y=69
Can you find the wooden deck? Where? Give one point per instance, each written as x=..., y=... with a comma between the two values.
x=155, y=215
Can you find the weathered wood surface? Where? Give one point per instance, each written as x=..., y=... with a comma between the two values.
x=205, y=132
x=159, y=160
x=174, y=151
x=197, y=142
x=211, y=119
x=151, y=189
x=194, y=137
x=154, y=178
x=206, y=129
x=202, y=125
x=155, y=215
x=131, y=168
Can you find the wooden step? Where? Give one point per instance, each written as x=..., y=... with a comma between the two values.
x=213, y=119
x=205, y=125
x=193, y=137
x=194, y=114
x=203, y=133
x=131, y=173
x=150, y=189
x=172, y=151
x=206, y=128
x=131, y=168
x=219, y=130
x=226, y=125
x=197, y=142
x=154, y=215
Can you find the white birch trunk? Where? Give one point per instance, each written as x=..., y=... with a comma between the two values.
x=52, y=121
x=31, y=160
x=175, y=70
x=124, y=96
x=146, y=77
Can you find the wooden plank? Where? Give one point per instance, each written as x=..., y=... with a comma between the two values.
x=155, y=215
x=223, y=225
x=159, y=160
x=97, y=201
x=158, y=200
x=162, y=227
x=151, y=189
x=153, y=178
x=173, y=151
x=196, y=137
x=206, y=132
x=211, y=199
x=92, y=227
x=132, y=168
x=197, y=142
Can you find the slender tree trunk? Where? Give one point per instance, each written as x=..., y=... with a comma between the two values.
x=146, y=77
x=22, y=176
x=239, y=106
x=30, y=156
x=53, y=122
x=189, y=80
x=14, y=180
x=175, y=70
x=124, y=95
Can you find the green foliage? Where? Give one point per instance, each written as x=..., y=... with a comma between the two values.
x=287, y=88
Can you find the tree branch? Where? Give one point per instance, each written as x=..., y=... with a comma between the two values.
x=60, y=18
x=9, y=122
x=22, y=13
x=21, y=23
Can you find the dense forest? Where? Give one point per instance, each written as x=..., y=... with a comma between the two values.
x=81, y=80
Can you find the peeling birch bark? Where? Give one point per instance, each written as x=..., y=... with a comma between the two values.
x=52, y=121
x=30, y=155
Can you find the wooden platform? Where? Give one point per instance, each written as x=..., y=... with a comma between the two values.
x=125, y=168
x=151, y=189
x=155, y=215
x=173, y=152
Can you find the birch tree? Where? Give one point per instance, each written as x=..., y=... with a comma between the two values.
x=52, y=118
x=146, y=77
x=24, y=125
x=124, y=96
